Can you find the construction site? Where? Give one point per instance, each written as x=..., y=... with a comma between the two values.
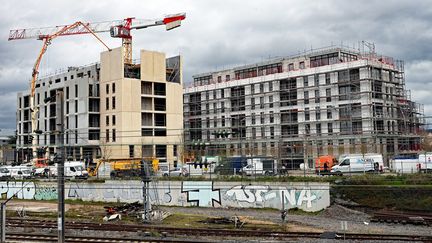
x=330, y=101
x=118, y=108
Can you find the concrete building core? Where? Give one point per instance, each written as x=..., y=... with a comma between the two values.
x=112, y=110
x=331, y=101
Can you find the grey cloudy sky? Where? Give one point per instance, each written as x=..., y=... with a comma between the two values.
x=219, y=34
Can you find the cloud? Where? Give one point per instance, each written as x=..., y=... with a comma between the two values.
x=219, y=34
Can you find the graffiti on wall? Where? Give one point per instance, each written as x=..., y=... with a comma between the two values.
x=180, y=193
x=201, y=193
x=26, y=190
x=258, y=195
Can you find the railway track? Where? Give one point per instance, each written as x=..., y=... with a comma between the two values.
x=207, y=232
x=31, y=237
x=386, y=216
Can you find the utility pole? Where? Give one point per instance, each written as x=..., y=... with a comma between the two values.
x=60, y=166
x=145, y=177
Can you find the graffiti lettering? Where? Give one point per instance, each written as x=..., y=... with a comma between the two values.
x=201, y=192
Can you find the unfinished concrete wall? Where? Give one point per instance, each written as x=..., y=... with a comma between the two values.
x=309, y=197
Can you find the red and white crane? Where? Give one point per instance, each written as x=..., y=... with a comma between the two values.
x=117, y=28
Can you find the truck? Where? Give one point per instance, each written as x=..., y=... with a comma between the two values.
x=260, y=166
x=323, y=164
x=359, y=163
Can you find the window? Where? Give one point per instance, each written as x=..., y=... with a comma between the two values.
x=262, y=117
x=252, y=88
x=113, y=88
x=271, y=101
x=318, y=129
x=222, y=93
x=253, y=132
x=252, y=103
x=175, y=150
x=271, y=117
x=307, y=129
x=261, y=88
x=113, y=135
x=302, y=65
x=307, y=114
x=222, y=106
x=161, y=151
x=330, y=128
x=107, y=103
x=291, y=67
x=214, y=121
x=227, y=77
x=67, y=107
x=317, y=96
x=316, y=79
x=223, y=121
x=113, y=120
x=328, y=95
x=219, y=79
x=107, y=120
x=131, y=151
x=262, y=132
x=262, y=102
x=76, y=106
x=107, y=89
x=107, y=135
x=253, y=118
x=214, y=94
x=113, y=103
x=270, y=86
x=305, y=81
x=327, y=78
x=207, y=95
x=317, y=113
x=306, y=97
x=329, y=112
x=272, y=132
x=76, y=90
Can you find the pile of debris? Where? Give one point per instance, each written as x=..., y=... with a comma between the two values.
x=128, y=209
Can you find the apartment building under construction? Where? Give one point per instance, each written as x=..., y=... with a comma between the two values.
x=330, y=101
x=112, y=109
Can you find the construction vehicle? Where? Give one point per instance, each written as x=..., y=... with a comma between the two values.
x=118, y=29
x=123, y=167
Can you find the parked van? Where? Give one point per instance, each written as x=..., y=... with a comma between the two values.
x=74, y=169
x=323, y=164
x=4, y=173
x=425, y=162
x=356, y=163
x=20, y=172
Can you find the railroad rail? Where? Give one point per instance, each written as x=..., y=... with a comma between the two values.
x=34, y=237
x=207, y=232
x=386, y=216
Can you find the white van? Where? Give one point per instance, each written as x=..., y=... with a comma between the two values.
x=20, y=172
x=5, y=173
x=74, y=169
x=425, y=162
x=355, y=163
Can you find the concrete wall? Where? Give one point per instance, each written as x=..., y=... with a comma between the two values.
x=306, y=196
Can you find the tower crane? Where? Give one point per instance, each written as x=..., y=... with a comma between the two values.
x=117, y=28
